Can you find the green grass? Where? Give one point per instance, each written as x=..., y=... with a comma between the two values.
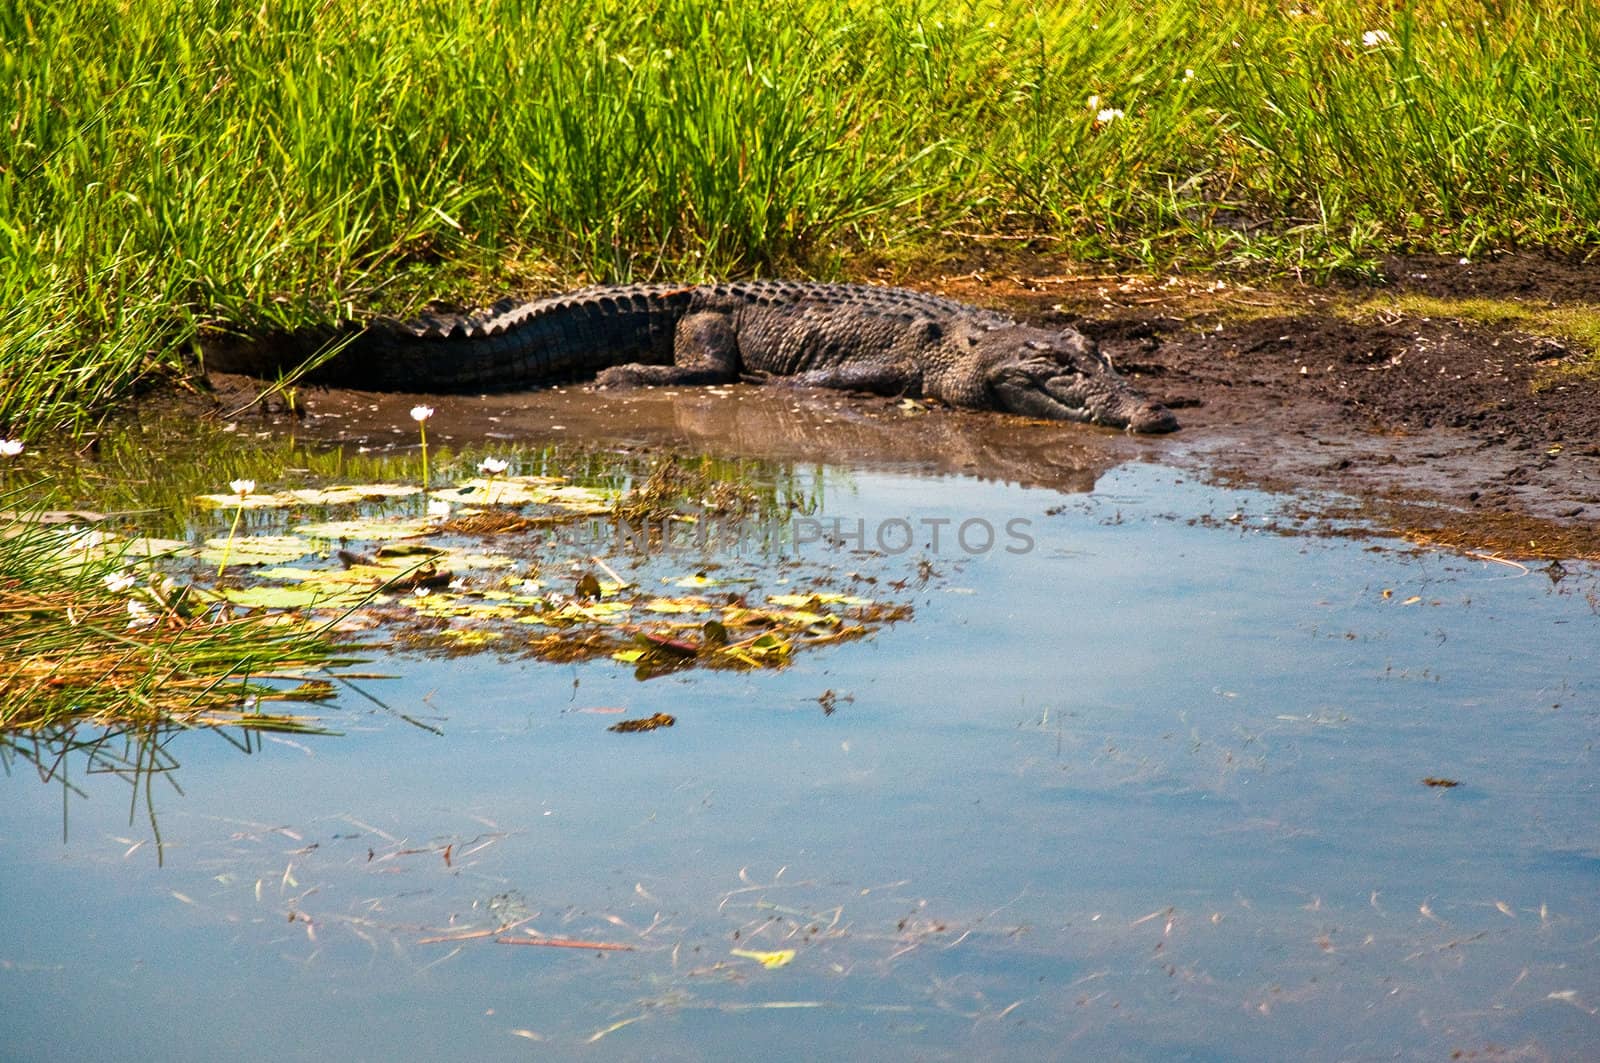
x=169, y=169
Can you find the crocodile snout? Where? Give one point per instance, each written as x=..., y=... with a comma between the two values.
x=1152, y=418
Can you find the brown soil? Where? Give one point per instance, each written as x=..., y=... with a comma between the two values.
x=1450, y=431
x=1447, y=431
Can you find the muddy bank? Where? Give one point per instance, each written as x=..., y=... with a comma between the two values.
x=1470, y=434
x=1450, y=431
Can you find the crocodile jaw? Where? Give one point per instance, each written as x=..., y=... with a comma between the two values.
x=1036, y=390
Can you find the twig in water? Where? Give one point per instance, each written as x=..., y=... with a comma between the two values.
x=565, y=943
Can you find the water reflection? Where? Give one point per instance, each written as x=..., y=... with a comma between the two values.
x=1156, y=788
x=138, y=755
x=749, y=423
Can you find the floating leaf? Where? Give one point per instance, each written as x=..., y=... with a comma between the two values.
x=257, y=550
x=769, y=960
x=536, y=601
x=374, y=529
x=469, y=636
x=768, y=644
x=297, y=574
x=649, y=723
x=456, y=605
x=792, y=618
x=812, y=601
x=460, y=559
x=339, y=495
x=765, y=651
x=801, y=618
x=350, y=494
x=407, y=549
x=253, y=500
x=530, y=490
x=577, y=612
x=148, y=548
x=671, y=646
x=678, y=605
x=269, y=597
x=597, y=611
x=700, y=579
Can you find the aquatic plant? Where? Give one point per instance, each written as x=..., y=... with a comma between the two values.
x=242, y=488
x=420, y=414
x=89, y=631
x=492, y=467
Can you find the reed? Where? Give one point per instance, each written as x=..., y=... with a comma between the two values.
x=84, y=637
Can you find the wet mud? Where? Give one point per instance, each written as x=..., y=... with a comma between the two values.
x=1474, y=436
x=1470, y=435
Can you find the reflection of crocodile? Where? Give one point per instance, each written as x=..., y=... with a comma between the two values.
x=860, y=337
x=850, y=435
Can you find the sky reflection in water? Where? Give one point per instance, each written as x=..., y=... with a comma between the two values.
x=1153, y=788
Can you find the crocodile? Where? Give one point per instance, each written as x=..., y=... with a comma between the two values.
x=858, y=337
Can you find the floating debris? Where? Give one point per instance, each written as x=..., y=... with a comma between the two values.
x=648, y=723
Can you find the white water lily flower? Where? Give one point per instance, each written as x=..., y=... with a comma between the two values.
x=493, y=466
x=1373, y=38
x=117, y=582
x=10, y=448
x=421, y=413
x=438, y=507
x=140, y=616
x=242, y=487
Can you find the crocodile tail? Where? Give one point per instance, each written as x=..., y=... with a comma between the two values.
x=510, y=347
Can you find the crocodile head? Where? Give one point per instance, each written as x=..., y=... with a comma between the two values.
x=1062, y=377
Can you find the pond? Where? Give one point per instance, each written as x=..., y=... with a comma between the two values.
x=1147, y=777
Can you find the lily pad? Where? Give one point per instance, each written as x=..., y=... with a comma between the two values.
x=529, y=490
x=267, y=596
x=256, y=549
x=350, y=494
x=337, y=495
x=146, y=547
x=372, y=530
x=437, y=604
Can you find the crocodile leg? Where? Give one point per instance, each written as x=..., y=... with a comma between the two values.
x=705, y=351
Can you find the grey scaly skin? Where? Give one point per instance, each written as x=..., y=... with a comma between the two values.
x=858, y=337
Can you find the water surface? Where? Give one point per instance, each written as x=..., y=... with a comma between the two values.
x=1152, y=787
